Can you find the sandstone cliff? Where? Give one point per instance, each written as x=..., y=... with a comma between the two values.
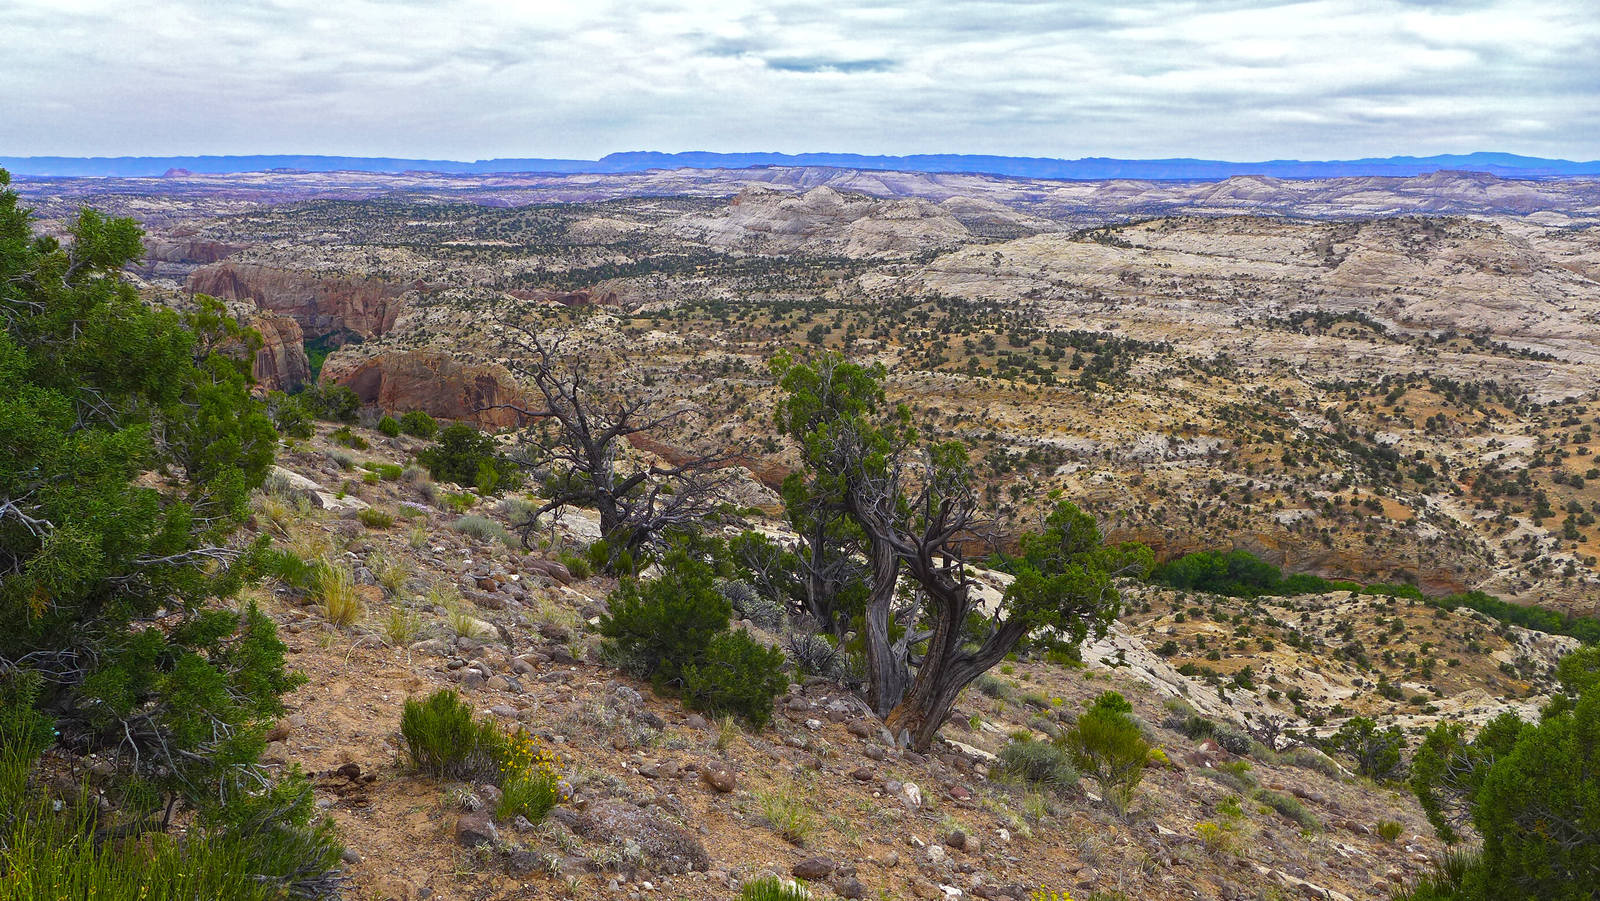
x=331, y=306
x=401, y=381
x=281, y=364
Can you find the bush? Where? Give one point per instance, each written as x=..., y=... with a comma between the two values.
x=1289, y=806
x=466, y=456
x=419, y=424
x=1389, y=830
x=349, y=439
x=1038, y=763
x=333, y=402
x=336, y=595
x=736, y=675
x=788, y=813
x=771, y=888
x=1376, y=752
x=390, y=426
x=1106, y=745
x=483, y=528
x=657, y=627
x=289, y=416
x=443, y=739
x=578, y=566
x=375, y=518
x=530, y=785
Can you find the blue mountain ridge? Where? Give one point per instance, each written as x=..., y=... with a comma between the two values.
x=1505, y=165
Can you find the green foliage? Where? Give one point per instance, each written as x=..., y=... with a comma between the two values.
x=1376, y=752
x=1038, y=763
x=659, y=626
x=108, y=574
x=1529, y=616
x=419, y=424
x=336, y=403
x=1531, y=790
x=1063, y=577
x=346, y=437
x=771, y=888
x=466, y=456
x=1289, y=806
x=443, y=738
x=290, y=416
x=736, y=675
x=673, y=631
x=1389, y=830
x=375, y=518
x=1235, y=573
x=483, y=528
x=1106, y=745
x=389, y=426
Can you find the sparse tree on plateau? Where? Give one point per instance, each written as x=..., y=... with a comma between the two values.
x=916, y=507
x=577, y=436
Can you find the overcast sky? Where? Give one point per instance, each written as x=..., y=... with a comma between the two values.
x=470, y=79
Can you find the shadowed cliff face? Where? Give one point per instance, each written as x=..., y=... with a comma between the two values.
x=281, y=364
x=323, y=305
x=401, y=381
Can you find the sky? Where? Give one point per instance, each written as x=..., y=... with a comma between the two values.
x=476, y=79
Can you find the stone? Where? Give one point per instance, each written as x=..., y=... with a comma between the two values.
x=850, y=887
x=666, y=848
x=861, y=774
x=911, y=796
x=814, y=868
x=476, y=828
x=719, y=778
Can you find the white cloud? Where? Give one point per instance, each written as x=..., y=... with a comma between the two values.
x=478, y=78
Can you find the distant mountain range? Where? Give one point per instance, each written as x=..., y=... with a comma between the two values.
x=1506, y=165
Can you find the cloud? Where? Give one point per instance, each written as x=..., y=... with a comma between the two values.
x=469, y=79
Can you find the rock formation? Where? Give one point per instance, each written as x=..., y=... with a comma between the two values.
x=401, y=381
x=281, y=364
x=331, y=306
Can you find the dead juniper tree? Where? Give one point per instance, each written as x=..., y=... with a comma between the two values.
x=926, y=627
x=576, y=437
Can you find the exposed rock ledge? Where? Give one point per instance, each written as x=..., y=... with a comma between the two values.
x=401, y=381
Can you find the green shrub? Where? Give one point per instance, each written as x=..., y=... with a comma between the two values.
x=655, y=628
x=530, y=785
x=1106, y=745
x=736, y=675
x=390, y=426
x=333, y=402
x=443, y=739
x=1038, y=763
x=289, y=416
x=419, y=424
x=483, y=528
x=578, y=566
x=290, y=569
x=346, y=437
x=388, y=472
x=771, y=888
x=466, y=456
x=375, y=518
x=1376, y=752
x=1289, y=806
x=1389, y=830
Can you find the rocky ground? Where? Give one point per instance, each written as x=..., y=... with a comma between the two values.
x=666, y=804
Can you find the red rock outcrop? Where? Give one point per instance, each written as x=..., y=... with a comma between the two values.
x=199, y=252
x=281, y=364
x=324, y=305
x=401, y=381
